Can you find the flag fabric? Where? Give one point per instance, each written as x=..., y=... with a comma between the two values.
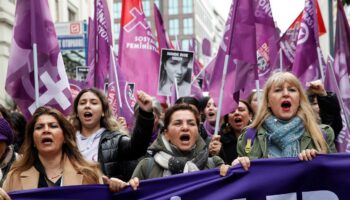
x=266, y=40
x=331, y=84
x=341, y=72
x=164, y=41
x=239, y=42
x=98, y=72
x=323, y=178
x=206, y=47
x=306, y=65
x=138, y=53
x=33, y=24
x=121, y=94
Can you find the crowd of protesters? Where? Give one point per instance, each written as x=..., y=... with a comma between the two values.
x=92, y=146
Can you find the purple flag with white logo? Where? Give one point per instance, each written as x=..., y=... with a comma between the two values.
x=239, y=42
x=266, y=40
x=341, y=73
x=138, y=53
x=98, y=73
x=33, y=24
x=306, y=65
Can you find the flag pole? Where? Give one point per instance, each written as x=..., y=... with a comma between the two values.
x=281, y=60
x=320, y=63
x=36, y=75
x=217, y=122
x=116, y=76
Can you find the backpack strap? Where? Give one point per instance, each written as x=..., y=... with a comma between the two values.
x=251, y=132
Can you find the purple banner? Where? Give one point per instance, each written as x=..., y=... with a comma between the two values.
x=324, y=178
x=33, y=24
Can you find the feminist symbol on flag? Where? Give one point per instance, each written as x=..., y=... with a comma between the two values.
x=138, y=19
x=303, y=33
x=54, y=89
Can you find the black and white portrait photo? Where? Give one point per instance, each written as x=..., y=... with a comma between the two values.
x=175, y=68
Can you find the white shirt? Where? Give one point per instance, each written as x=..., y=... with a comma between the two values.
x=88, y=146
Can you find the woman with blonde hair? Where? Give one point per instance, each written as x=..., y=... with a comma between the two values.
x=284, y=125
x=50, y=157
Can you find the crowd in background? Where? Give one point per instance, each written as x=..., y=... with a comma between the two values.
x=93, y=146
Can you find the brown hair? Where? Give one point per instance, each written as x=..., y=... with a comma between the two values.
x=69, y=148
x=107, y=121
x=177, y=107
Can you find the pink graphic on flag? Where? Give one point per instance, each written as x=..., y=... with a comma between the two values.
x=33, y=24
x=98, y=73
x=138, y=53
x=91, y=44
x=239, y=42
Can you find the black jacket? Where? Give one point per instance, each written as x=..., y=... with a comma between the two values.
x=117, y=152
x=330, y=112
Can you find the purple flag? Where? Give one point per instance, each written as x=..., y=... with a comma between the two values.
x=164, y=41
x=239, y=42
x=98, y=73
x=33, y=24
x=306, y=65
x=138, y=53
x=341, y=73
x=121, y=94
x=266, y=40
x=331, y=84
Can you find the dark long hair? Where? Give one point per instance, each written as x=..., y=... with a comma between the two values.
x=69, y=148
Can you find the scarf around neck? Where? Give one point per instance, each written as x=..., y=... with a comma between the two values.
x=209, y=128
x=174, y=161
x=283, y=136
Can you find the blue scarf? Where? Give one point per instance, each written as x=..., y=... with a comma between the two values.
x=283, y=136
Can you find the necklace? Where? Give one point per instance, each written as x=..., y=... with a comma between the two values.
x=56, y=176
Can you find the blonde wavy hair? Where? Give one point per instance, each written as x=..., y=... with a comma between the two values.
x=305, y=111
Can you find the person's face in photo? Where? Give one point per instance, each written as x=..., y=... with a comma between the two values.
x=176, y=67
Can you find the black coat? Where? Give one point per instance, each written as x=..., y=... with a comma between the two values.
x=117, y=152
x=330, y=112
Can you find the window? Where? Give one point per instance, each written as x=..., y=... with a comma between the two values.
x=146, y=7
x=71, y=15
x=116, y=30
x=157, y=3
x=188, y=26
x=173, y=7
x=185, y=44
x=187, y=6
x=117, y=10
x=174, y=27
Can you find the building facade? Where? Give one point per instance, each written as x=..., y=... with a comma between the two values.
x=184, y=20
